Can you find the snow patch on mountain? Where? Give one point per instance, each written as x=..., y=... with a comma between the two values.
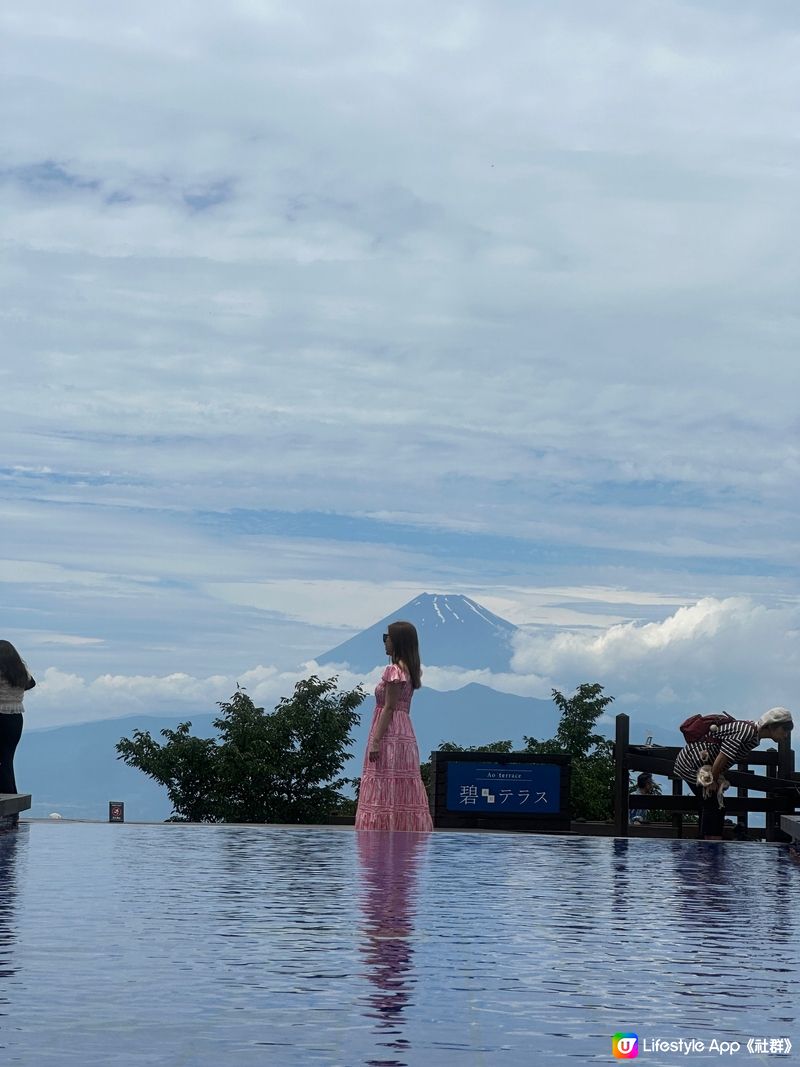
x=454, y=631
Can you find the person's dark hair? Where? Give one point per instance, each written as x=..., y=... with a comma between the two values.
x=11, y=666
x=645, y=778
x=405, y=648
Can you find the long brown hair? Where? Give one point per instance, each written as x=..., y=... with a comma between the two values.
x=11, y=666
x=405, y=648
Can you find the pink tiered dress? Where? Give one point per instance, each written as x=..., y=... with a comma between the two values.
x=392, y=796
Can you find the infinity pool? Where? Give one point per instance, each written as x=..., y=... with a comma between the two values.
x=204, y=945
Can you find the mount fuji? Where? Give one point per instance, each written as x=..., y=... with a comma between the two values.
x=454, y=631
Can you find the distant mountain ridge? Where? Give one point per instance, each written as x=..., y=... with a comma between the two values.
x=454, y=631
x=74, y=770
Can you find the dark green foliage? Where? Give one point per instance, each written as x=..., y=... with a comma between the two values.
x=492, y=746
x=592, y=779
x=186, y=765
x=280, y=766
x=345, y=807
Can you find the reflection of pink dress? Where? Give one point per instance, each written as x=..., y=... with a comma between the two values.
x=389, y=894
x=392, y=796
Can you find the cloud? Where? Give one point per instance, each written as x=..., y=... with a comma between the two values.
x=69, y=640
x=61, y=698
x=349, y=604
x=120, y=693
x=734, y=653
x=306, y=308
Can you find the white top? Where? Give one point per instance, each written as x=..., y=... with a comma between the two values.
x=10, y=698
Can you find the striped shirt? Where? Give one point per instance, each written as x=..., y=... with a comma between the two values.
x=734, y=740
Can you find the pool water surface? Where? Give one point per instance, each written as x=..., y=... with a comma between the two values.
x=237, y=945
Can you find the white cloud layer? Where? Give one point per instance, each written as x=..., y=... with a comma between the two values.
x=310, y=307
x=205, y=294
x=735, y=654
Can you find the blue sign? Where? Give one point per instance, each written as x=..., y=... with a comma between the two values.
x=504, y=788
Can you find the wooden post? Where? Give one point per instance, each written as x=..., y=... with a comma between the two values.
x=773, y=820
x=785, y=770
x=677, y=818
x=742, y=791
x=621, y=785
x=785, y=759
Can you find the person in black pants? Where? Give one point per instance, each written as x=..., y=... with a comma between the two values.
x=15, y=681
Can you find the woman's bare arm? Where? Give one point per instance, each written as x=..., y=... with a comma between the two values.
x=720, y=765
x=392, y=689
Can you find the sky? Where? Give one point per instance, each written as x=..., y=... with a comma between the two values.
x=310, y=308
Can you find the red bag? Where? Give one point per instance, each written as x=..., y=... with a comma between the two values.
x=703, y=727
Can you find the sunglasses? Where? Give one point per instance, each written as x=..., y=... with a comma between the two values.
x=385, y=638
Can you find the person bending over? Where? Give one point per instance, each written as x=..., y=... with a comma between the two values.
x=730, y=743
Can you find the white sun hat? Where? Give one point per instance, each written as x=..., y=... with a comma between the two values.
x=776, y=717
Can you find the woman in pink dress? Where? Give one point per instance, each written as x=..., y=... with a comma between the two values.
x=392, y=796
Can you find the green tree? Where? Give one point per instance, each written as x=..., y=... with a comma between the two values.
x=592, y=765
x=186, y=765
x=280, y=766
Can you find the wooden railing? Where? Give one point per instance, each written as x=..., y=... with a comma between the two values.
x=779, y=782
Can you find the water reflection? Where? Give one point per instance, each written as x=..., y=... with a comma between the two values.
x=622, y=886
x=734, y=916
x=709, y=881
x=303, y=946
x=8, y=855
x=390, y=864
